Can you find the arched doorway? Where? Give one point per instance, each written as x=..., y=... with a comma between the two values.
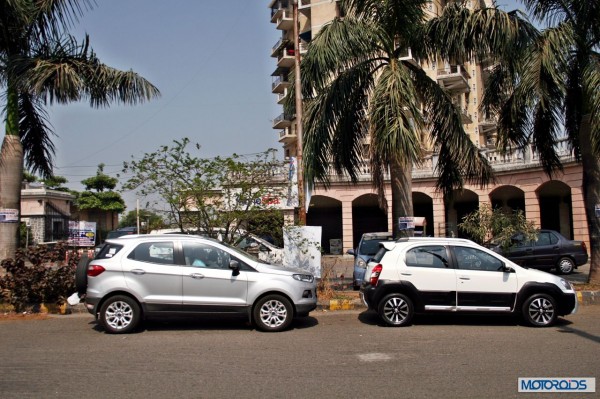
x=556, y=207
x=463, y=202
x=423, y=207
x=367, y=217
x=327, y=213
x=508, y=198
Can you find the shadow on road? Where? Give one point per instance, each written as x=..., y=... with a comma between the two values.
x=433, y=319
x=209, y=323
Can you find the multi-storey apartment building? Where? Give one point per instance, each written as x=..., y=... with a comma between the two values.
x=345, y=211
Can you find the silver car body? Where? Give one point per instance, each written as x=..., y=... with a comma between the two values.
x=180, y=287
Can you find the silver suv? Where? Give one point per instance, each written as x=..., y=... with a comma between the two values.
x=142, y=276
x=421, y=275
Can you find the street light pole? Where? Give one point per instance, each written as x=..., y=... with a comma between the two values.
x=298, y=92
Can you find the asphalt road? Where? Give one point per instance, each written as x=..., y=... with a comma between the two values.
x=328, y=355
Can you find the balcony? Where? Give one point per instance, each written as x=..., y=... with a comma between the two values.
x=278, y=46
x=408, y=57
x=454, y=78
x=282, y=121
x=285, y=21
x=281, y=97
x=465, y=115
x=280, y=84
x=287, y=136
x=286, y=58
x=487, y=126
x=278, y=8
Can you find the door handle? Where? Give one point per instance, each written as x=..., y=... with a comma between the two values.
x=197, y=276
x=464, y=278
x=406, y=274
x=138, y=272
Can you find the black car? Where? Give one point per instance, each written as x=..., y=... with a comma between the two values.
x=549, y=251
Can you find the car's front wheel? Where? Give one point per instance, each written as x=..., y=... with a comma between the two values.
x=396, y=310
x=539, y=310
x=120, y=314
x=273, y=313
x=565, y=266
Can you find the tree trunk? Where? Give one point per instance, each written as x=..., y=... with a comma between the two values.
x=11, y=175
x=401, y=185
x=591, y=196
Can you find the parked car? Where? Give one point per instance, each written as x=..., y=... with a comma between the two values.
x=142, y=276
x=550, y=250
x=423, y=275
x=261, y=248
x=367, y=248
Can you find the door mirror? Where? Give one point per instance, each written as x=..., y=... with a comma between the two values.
x=507, y=269
x=234, y=265
x=351, y=252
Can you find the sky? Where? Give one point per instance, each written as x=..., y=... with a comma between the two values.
x=210, y=60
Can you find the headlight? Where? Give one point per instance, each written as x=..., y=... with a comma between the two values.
x=566, y=284
x=307, y=278
x=361, y=263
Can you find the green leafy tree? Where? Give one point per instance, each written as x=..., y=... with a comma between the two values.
x=543, y=84
x=151, y=220
x=41, y=64
x=103, y=200
x=500, y=225
x=222, y=193
x=357, y=86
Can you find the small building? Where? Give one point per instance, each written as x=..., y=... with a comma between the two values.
x=46, y=212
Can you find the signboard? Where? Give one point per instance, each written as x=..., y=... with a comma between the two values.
x=406, y=222
x=9, y=215
x=82, y=234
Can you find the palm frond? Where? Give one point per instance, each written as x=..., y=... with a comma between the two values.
x=36, y=135
x=591, y=83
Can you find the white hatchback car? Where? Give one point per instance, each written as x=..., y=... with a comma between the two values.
x=135, y=277
x=420, y=275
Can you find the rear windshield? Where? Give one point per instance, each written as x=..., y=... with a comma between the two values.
x=108, y=250
x=370, y=247
x=379, y=255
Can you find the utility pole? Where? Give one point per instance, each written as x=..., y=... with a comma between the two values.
x=298, y=92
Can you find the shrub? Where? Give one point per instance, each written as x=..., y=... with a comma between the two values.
x=39, y=274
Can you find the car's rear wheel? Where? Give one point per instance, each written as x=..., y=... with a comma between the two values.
x=396, y=310
x=565, y=265
x=273, y=313
x=120, y=314
x=539, y=310
x=81, y=274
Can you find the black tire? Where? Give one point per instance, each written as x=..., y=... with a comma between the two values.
x=81, y=277
x=539, y=310
x=396, y=310
x=272, y=313
x=565, y=265
x=120, y=314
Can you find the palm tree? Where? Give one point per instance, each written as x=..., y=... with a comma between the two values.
x=357, y=86
x=544, y=85
x=41, y=64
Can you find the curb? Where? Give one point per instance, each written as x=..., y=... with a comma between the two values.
x=588, y=297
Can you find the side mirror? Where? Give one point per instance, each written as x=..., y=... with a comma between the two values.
x=507, y=269
x=234, y=265
x=351, y=252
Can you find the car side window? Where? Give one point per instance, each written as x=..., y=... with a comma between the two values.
x=153, y=252
x=433, y=256
x=475, y=259
x=546, y=239
x=215, y=258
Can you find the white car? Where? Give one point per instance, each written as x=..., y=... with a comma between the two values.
x=141, y=276
x=420, y=275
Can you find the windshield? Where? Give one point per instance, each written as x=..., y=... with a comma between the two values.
x=370, y=247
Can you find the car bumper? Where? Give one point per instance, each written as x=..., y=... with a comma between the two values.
x=581, y=259
x=91, y=304
x=367, y=291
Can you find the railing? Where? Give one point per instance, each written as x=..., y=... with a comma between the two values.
x=453, y=70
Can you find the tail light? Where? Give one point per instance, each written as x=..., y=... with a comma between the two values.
x=584, y=246
x=375, y=274
x=94, y=270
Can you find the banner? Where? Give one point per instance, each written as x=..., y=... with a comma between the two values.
x=82, y=234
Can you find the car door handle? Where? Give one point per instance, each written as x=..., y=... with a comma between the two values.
x=464, y=278
x=138, y=272
x=406, y=274
x=197, y=276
